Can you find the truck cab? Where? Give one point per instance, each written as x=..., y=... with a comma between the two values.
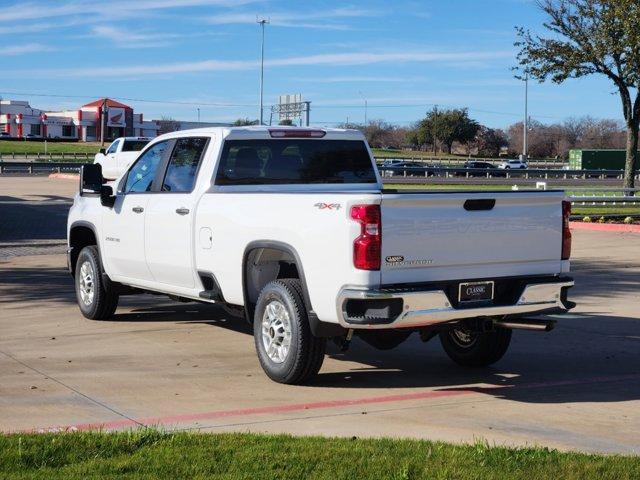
x=117, y=157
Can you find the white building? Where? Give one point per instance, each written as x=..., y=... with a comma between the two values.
x=20, y=120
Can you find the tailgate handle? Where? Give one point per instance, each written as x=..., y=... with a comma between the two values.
x=480, y=204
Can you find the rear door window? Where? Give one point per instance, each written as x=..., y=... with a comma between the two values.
x=134, y=145
x=183, y=164
x=294, y=161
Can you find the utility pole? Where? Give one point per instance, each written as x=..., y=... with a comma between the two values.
x=103, y=122
x=307, y=113
x=198, y=114
x=262, y=22
x=525, y=125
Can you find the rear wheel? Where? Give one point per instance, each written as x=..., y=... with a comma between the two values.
x=475, y=349
x=287, y=350
x=96, y=300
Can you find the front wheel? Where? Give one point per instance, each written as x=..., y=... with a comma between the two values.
x=475, y=349
x=287, y=350
x=96, y=300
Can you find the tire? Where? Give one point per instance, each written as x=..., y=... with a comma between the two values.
x=281, y=310
x=96, y=300
x=475, y=349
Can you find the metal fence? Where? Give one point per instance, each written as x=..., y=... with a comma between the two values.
x=453, y=161
x=540, y=173
x=39, y=167
x=47, y=157
x=387, y=172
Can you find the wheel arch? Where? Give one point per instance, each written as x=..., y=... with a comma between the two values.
x=252, y=286
x=81, y=234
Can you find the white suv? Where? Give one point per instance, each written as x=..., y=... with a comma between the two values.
x=513, y=164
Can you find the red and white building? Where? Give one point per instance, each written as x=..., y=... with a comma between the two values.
x=20, y=120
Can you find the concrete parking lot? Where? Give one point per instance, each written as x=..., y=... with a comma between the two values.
x=191, y=366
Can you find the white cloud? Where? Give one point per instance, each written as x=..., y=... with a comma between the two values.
x=128, y=38
x=318, y=19
x=14, y=50
x=112, y=9
x=331, y=59
x=362, y=78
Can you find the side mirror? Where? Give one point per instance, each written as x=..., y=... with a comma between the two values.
x=91, y=183
x=107, y=198
x=91, y=179
x=103, y=151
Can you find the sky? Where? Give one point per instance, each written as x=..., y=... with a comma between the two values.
x=171, y=57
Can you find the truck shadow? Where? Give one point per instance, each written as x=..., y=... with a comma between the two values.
x=587, y=358
x=594, y=358
x=21, y=221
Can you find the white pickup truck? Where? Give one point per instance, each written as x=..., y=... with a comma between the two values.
x=121, y=153
x=292, y=227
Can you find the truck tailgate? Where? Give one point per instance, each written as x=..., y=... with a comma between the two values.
x=453, y=236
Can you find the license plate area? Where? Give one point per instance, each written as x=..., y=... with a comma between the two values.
x=475, y=292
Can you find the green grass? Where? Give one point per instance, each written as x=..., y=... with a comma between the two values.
x=598, y=210
x=151, y=454
x=391, y=153
x=8, y=147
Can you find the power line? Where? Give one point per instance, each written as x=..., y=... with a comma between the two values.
x=326, y=105
x=141, y=100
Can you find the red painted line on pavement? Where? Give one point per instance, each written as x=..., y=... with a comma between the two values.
x=605, y=227
x=453, y=392
x=262, y=410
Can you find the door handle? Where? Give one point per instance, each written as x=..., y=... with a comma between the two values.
x=138, y=209
x=182, y=211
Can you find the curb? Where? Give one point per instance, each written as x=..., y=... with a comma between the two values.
x=65, y=176
x=605, y=227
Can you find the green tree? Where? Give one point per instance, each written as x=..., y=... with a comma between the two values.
x=445, y=127
x=589, y=37
x=286, y=122
x=489, y=141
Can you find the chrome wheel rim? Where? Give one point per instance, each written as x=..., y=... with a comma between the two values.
x=85, y=283
x=276, y=331
x=463, y=337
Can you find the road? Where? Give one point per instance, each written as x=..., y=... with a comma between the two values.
x=192, y=366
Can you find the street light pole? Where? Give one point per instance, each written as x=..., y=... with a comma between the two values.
x=103, y=123
x=198, y=114
x=262, y=22
x=365, y=107
x=525, y=125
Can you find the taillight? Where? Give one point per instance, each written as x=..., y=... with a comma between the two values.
x=295, y=133
x=566, y=232
x=366, y=248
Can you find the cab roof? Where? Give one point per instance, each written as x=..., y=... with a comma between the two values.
x=263, y=132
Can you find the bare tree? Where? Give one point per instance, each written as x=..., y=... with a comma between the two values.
x=167, y=125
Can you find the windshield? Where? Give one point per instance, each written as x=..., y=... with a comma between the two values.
x=294, y=161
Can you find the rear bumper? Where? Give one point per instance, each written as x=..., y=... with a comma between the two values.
x=397, y=308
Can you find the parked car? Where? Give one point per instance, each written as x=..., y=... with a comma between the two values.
x=5, y=135
x=510, y=164
x=475, y=165
x=400, y=164
x=292, y=228
x=121, y=153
